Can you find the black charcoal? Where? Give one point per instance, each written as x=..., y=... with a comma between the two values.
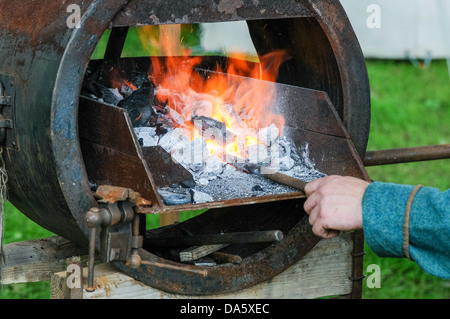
x=139, y=105
x=188, y=184
x=257, y=188
x=174, y=198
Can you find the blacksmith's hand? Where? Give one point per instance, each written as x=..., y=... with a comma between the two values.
x=334, y=204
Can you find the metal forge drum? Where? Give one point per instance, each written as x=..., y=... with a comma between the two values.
x=57, y=142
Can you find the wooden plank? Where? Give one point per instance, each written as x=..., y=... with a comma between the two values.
x=324, y=271
x=36, y=260
x=197, y=252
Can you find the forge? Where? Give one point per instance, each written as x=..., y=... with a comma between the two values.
x=95, y=147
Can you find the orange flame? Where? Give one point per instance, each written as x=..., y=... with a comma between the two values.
x=233, y=97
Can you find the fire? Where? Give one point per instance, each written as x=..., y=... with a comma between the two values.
x=230, y=96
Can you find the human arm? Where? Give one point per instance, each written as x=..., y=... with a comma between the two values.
x=338, y=203
x=428, y=227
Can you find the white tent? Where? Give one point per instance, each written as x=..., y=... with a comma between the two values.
x=414, y=29
x=406, y=28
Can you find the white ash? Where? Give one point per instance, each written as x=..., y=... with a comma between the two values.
x=268, y=135
x=200, y=197
x=116, y=95
x=126, y=90
x=175, y=139
x=213, y=166
x=216, y=180
x=284, y=163
x=258, y=153
x=147, y=135
x=203, y=182
x=233, y=183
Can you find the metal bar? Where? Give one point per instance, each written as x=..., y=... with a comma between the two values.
x=225, y=257
x=215, y=239
x=283, y=179
x=273, y=175
x=407, y=155
x=112, y=54
x=90, y=286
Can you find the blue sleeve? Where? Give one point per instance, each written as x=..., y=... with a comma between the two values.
x=384, y=207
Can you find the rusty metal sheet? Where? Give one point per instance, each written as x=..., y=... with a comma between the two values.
x=137, y=11
x=110, y=150
x=165, y=171
x=46, y=174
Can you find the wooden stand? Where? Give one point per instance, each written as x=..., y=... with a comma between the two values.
x=325, y=271
x=37, y=260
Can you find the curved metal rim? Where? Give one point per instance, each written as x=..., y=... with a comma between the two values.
x=353, y=70
x=178, y=278
x=64, y=109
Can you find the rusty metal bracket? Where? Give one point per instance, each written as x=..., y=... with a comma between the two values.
x=112, y=194
x=7, y=94
x=118, y=221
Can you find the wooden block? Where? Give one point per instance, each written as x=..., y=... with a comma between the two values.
x=324, y=271
x=36, y=260
x=197, y=252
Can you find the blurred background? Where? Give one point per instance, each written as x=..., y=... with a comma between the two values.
x=407, y=47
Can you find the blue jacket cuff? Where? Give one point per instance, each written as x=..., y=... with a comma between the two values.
x=384, y=231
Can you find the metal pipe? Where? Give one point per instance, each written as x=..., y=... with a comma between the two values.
x=407, y=155
x=90, y=286
x=215, y=239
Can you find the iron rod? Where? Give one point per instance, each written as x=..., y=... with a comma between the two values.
x=90, y=286
x=214, y=239
x=407, y=155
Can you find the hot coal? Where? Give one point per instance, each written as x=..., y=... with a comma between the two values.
x=138, y=104
x=96, y=89
x=211, y=129
x=157, y=123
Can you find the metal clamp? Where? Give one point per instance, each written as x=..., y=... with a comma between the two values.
x=7, y=89
x=4, y=123
x=118, y=222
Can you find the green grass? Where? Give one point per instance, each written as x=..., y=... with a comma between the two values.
x=19, y=228
x=410, y=107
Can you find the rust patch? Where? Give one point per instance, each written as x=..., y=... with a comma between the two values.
x=101, y=282
x=35, y=18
